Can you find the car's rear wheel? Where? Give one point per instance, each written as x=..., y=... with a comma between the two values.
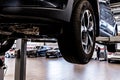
x=109, y=60
x=78, y=39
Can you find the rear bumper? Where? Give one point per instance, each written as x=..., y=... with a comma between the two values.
x=50, y=53
x=114, y=57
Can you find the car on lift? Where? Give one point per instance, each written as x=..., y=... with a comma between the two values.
x=55, y=52
x=75, y=24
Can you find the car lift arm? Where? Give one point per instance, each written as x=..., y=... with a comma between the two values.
x=115, y=39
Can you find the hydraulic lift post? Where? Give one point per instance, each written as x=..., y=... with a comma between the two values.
x=2, y=66
x=20, y=62
x=1, y=74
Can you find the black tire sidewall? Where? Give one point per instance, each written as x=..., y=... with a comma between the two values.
x=77, y=14
x=70, y=42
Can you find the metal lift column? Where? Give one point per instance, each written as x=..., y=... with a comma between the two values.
x=1, y=68
x=20, y=62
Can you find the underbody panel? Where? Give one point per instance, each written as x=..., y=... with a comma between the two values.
x=47, y=9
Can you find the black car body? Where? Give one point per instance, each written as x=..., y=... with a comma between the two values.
x=74, y=22
x=45, y=13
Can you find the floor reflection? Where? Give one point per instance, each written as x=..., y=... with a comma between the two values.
x=58, y=69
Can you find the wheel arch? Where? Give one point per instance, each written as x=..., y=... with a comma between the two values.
x=95, y=6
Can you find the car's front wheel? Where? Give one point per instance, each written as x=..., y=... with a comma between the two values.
x=109, y=60
x=78, y=39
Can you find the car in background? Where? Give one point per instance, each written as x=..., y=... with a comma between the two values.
x=11, y=53
x=42, y=50
x=113, y=56
x=55, y=52
x=32, y=51
x=108, y=24
x=103, y=52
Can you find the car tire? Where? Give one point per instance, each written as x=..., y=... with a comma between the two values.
x=109, y=60
x=111, y=47
x=47, y=56
x=35, y=54
x=77, y=41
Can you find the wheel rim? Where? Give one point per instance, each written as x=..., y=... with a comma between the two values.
x=87, y=31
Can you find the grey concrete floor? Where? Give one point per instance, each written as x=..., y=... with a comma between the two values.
x=58, y=69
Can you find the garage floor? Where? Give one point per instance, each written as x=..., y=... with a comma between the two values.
x=58, y=69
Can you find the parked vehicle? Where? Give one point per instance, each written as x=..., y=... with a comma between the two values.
x=113, y=56
x=74, y=22
x=108, y=25
x=55, y=52
x=32, y=52
x=42, y=50
x=102, y=54
x=11, y=53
